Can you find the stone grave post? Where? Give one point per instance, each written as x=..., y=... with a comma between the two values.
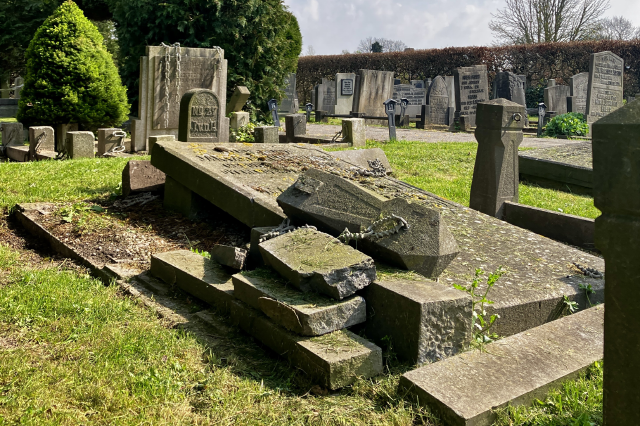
x=577, y=100
x=40, y=139
x=604, y=92
x=354, y=131
x=80, y=145
x=199, y=117
x=390, y=108
x=403, y=120
x=111, y=140
x=495, y=175
x=542, y=113
x=266, y=134
x=616, y=190
x=472, y=87
x=273, y=107
x=295, y=125
x=308, y=108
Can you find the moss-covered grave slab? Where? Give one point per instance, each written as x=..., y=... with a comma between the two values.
x=570, y=163
x=307, y=314
x=315, y=261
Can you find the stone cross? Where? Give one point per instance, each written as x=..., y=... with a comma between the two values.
x=495, y=176
x=616, y=190
x=390, y=109
x=273, y=107
x=199, y=116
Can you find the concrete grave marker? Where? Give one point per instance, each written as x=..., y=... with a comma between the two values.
x=372, y=89
x=495, y=175
x=41, y=138
x=295, y=125
x=472, y=87
x=605, y=90
x=577, y=100
x=289, y=104
x=344, y=97
x=238, y=99
x=438, y=101
x=509, y=86
x=266, y=135
x=80, y=145
x=12, y=134
x=555, y=97
x=334, y=204
x=354, y=131
x=111, y=140
x=199, y=117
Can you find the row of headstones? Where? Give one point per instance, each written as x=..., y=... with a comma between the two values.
x=6, y=89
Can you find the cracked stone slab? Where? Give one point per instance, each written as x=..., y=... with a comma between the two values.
x=334, y=204
x=307, y=314
x=315, y=261
x=233, y=257
x=517, y=369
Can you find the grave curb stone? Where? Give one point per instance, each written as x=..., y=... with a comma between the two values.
x=80, y=145
x=295, y=125
x=141, y=176
x=354, y=131
x=266, y=135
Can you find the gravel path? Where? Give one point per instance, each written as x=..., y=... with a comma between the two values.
x=382, y=134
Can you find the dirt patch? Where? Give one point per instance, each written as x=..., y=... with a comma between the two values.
x=7, y=343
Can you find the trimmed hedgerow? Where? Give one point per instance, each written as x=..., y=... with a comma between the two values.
x=70, y=77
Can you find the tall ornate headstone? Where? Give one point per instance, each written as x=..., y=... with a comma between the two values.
x=577, y=100
x=509, y=86
x=495, y=175
x=604, y=93
x=616, y=190
x=166, y=74
x=199, y=117
x=472, y=87
x=344, y=97
x=438, y=101
x=372, y=89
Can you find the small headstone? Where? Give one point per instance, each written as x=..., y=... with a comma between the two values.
x=289, y=104
x=438, y=101
x=509, y=86
x=335, y=204
x=416, y=98
x=472, y=87
x=41, y=139
x=199, y=117
x=605, y=90
x=266, y=134
x=372, y=89
x=61, y=135
x=344, y=98
x=238, y=120
x=577, y=100
x=111, y=140
x=354, y=131
x=155, y=139
x=141, y=176
x=273, y=107
x=314, y=261
x=12, y=134
x=238, y=100
x=555, y=97
x=80, y=145
x=295, y=125
x=495, y=175
x=233, y=257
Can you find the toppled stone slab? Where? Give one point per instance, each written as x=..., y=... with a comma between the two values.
x=517, y=369
x=334, y=204
x=421, y=319
x=314, y=261
x=364, y=158
x=195, y=274
x=307, y=314
x=141, y=176
x=571, y=163
x=232, y=257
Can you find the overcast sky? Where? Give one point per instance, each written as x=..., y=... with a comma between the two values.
x=331, y=26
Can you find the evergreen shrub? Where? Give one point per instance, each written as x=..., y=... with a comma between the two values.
x=569, y=124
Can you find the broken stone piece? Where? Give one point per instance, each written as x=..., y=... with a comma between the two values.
x=334, y=204
x=307, y=314
x=314, y=261
x=232, y=257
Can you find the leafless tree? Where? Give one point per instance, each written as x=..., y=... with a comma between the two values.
x=387, y=45
x=310, y=51
x=345, y=52
x=617, y=28
x=540, y=21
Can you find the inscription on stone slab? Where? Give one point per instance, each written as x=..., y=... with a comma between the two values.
x=472, y=87
x=605, y=84
x=346, y=88
x=171, y=85
x=329, y=100
x=578, y=88
x=199, y=116
x=438, y=100
x=416, y=97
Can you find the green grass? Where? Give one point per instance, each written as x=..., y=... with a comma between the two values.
x=446, y=169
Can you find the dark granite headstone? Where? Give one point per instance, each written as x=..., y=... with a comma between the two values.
x=616, y=171
x=495, y=175
x=509, y=86
x=415, y=96
x=329, y=101
x=577, y=100
x=472, y=87
x=438, y=100
x=604, y=93
x=199, y=113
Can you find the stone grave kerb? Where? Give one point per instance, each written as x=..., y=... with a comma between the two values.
x=495, y=175
x=616, y=175
x=199, y=116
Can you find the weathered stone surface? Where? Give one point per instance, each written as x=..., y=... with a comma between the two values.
x=141, y=176
x=472, y=87
x=179, y=198
x=438, y=101
x=555, y=98
x=616, y=167
x=422, y=320
x=255, y=258
x=199, y=117
x=266, y=135
x=345, y=83
x=154, y=139
x=295, y=125
x=495, y=175
x=333, y=204
x=307, y=314
x=12, y=134
x=81, y=144
x=314, y=261
x=107, y=139
x=578, y=85
x=238, y=120
x=605, y=90
x=41, y=138
x=518, y=369
x=195, y=274
x=568, y=163
x=509, y=86
x=238, y=99
x=371, y=90
x=233, y=257
x=416, y=97
x=61, y=135
x=354, y=131
x=364, y=157
x=289, y=104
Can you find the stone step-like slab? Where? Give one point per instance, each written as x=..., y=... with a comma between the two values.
x=424, y=321
x=465, y=389
x=315, y=261
x=307, y=314
x=334, y=360
x=364, y=158
x=233, y=257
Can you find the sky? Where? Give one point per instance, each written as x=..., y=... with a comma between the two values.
x=331, y=26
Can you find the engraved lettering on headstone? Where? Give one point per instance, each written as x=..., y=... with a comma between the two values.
x=347, y=87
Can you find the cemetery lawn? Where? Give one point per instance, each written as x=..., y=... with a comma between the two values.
x=73, y=351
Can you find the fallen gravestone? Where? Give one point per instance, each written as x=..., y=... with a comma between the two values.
x=406, y=235
x=141, y=176
x=577, y=100
x=233, y=257
x=199, y=117
x=605, y=90
x=307, y=314
x=472, y=87
x=314, y=261
x=438, y=101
